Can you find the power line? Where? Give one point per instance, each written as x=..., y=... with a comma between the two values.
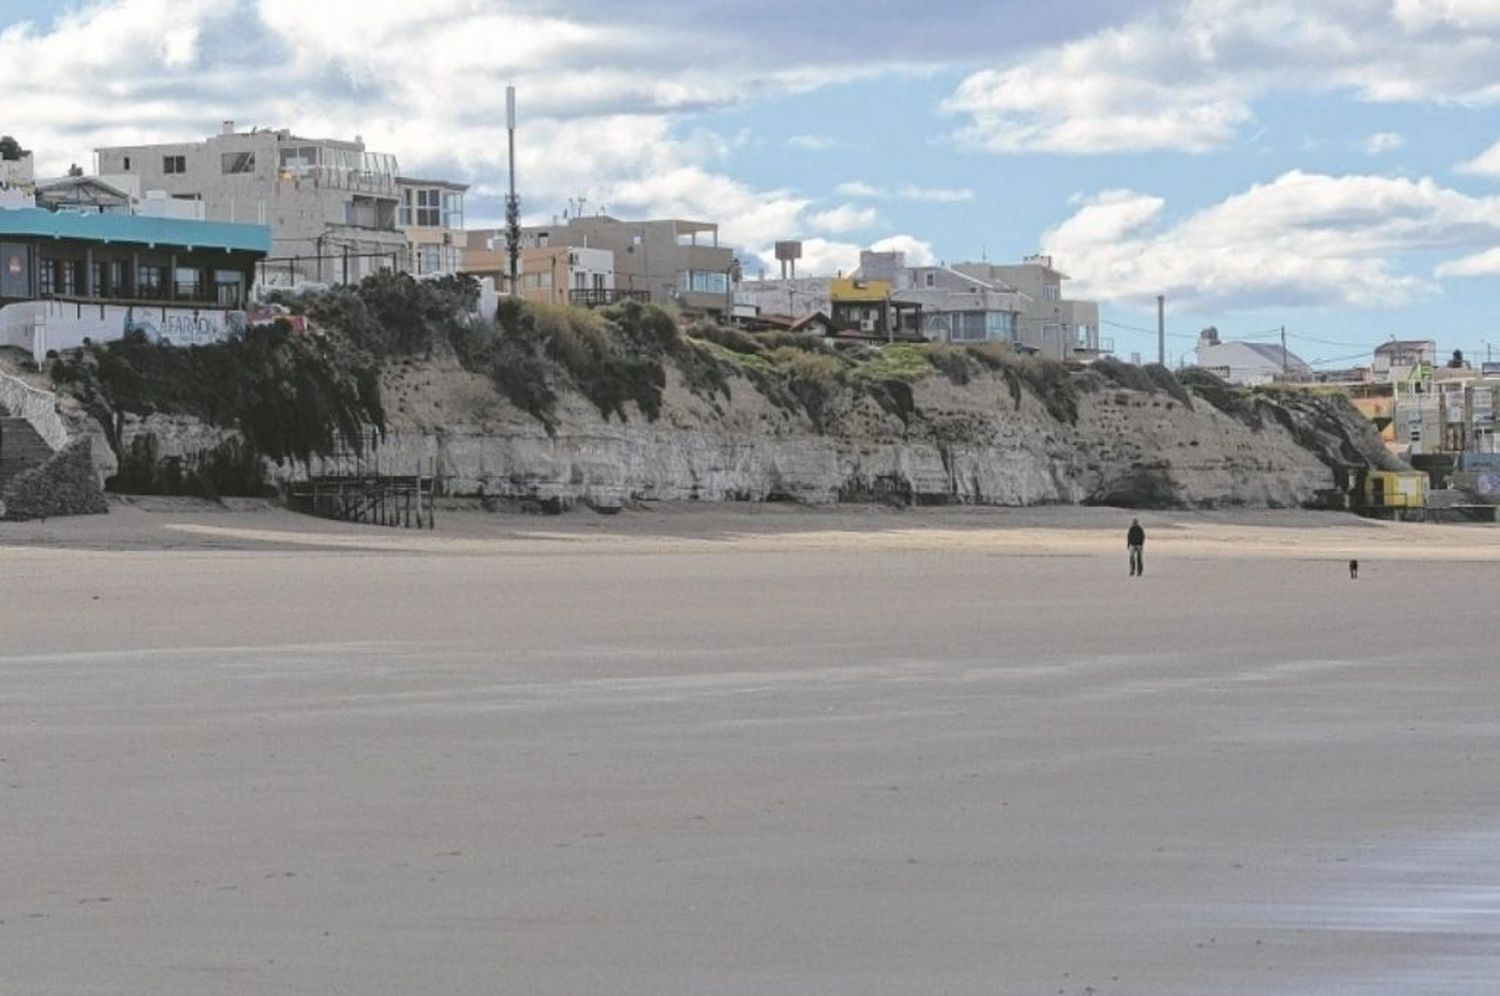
x=1137, y=328
x=1338, y=359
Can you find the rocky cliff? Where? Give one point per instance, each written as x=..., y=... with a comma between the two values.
x=561, y=405
x=986, y=440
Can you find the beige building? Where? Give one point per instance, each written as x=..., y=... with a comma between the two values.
x=547, y=274
x=668, y=261
x=1048, y=322
x=431, y=214
x=331, y=205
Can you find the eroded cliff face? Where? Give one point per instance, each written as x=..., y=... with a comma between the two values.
x=982, y=442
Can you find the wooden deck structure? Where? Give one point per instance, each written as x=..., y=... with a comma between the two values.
x=350, y=485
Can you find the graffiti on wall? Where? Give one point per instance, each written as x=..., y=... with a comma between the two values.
x=183, y=328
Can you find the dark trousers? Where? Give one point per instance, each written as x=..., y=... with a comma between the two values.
x=1136, y=566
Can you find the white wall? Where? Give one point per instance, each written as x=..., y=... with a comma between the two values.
x=40, y=326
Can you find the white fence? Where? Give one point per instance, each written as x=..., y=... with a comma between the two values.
x=37, y=407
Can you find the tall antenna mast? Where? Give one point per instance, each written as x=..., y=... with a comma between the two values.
x=512, y=202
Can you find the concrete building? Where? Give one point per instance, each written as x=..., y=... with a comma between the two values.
x=16, y=169
x=431, y=214
x=673, y=261
x=331, y=206
x=1055, y=326
x=1403, y=359
x=1248, y=363
x=547, y=274
x=790, y=299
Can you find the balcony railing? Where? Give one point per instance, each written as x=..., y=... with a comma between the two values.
x=599, y=297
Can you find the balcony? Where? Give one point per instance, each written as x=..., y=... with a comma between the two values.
x=598, y=297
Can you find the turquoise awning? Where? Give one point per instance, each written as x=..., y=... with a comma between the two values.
x=135, y=229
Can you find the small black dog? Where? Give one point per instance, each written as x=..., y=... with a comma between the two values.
x=1353, y=570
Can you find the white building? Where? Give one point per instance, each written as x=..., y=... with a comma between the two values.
x=1248, y=363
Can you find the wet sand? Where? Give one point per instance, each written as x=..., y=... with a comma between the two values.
x=748, y=751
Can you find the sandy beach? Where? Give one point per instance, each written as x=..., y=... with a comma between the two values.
x=747, y=750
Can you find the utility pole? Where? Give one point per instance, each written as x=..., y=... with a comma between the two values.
x=1283, y=352
x=512, y=202
x=1161, y=329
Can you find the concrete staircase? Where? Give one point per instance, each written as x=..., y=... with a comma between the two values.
x=20, y=447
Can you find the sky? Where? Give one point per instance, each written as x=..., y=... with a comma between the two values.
x=1329, y=168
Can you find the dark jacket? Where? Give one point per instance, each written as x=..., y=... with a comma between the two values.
x=1136, y=536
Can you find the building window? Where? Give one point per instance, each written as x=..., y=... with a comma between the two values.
x=45, y=275
x=453, y=211
x=188, y=283
x=117, y=283
x=60, y=276
x=1000, y=325
x=101, y=279
x=299, y=158
x=429, y=208
x=429, y=260
x=968, y=326
x=931, y=279
x=405, y=216
x=151, y=282
x=227, y=285
x=1051, y=291
x=174, y=164
x=127, y=163
x=704, y=282
x=239, y=162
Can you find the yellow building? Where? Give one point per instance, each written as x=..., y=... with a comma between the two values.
x=1395, y=489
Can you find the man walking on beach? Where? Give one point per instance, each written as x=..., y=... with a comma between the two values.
x=1135, y=542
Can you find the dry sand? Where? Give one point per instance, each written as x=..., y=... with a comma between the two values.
x=696, y=750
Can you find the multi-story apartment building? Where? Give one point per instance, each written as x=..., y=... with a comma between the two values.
x=1054, y=325
x=673, y=261
x=331, y=206
x=431, y=214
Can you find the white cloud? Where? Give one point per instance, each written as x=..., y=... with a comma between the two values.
x=1301, y=240
x=844, y=218
x=600, y=99
x=1188, y=79
x=824, y=258
x=1382, y=142
x=1487, y=163
x=918, y=252
x=1483, y=264
x=906, y=192
x=814, y=143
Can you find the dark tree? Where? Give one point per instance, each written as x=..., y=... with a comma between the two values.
x=1457, y=362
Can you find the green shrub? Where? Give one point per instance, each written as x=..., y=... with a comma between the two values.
x=815, y=344
x=954, y=361
x=814, y=380
x=1161, y=378
x=289, y=395
x=1126, y=375
x=908, y=362
x=1217, y=392
x=733, y=339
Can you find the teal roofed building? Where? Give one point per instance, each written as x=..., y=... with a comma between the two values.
x=69, y=276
